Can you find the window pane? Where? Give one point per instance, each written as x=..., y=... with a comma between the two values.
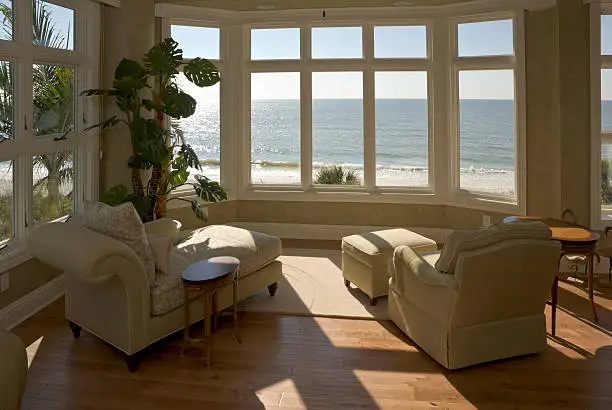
x=6, y=200
x=606, y=137
x=606, y=34
x=275, y=128
x=6, y=101
x=53, y=100
x=53, y=177
x=401, y=129
x=6, y=16
x=400, y=42
x=275, y=44
x=195, y=42
x=53, y=25
x=487, y=135
x=337, y=127
x=486, y=38
x=202, y=130
x=336, y=42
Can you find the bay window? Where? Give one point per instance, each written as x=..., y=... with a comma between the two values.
x=48, y=164
x=346, y=108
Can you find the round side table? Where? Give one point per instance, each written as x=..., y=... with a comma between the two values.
x=204, y=279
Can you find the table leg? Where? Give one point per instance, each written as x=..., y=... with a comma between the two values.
x=207, y=325
x=591, y=270
x=215, y=312
x=186, y=330
x=235, y=303
x=553, y=300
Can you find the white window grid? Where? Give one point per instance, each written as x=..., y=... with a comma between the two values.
x=84, y=59
x=441, y=65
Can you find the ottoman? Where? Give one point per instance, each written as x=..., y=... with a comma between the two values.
x=365, y=257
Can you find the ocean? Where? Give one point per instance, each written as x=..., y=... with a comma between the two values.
x=487, y=140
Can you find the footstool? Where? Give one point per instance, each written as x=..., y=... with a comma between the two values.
x=365, y=257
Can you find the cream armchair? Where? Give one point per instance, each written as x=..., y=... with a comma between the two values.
x=13, y=370
x=492, y=307
x=108, y=292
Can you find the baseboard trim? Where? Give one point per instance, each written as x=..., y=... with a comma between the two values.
x=32, y=303
x=329, y=232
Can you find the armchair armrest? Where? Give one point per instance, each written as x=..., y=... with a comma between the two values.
x=165, y=227
x=406, y=259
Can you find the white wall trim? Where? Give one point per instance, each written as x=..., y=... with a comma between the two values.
x=113, y=3
x=32, y=303
x=329, y=232
x=244, y=17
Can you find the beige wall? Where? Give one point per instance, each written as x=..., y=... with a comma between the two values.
x=128, y=33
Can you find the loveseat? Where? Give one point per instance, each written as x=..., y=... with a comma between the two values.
x=110, y=294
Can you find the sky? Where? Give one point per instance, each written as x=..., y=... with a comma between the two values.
x=474, y=39
x=62, y=18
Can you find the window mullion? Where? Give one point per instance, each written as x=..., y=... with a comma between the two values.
x=306, y=111
x=369, y=126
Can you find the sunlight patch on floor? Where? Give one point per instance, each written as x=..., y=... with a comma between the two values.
x=32, y=349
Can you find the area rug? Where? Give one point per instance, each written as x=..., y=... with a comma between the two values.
x=312, y=285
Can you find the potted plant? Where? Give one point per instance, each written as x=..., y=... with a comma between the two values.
x=164, y=152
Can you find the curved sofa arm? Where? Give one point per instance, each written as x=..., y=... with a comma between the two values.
x=407, y=262
x=13, y=371
x=83, y=253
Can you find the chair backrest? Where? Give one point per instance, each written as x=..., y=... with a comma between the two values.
x=506, y=280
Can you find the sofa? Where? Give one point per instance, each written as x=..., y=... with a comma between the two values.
x=481, y=299
x=13, y=370
x=110, y=294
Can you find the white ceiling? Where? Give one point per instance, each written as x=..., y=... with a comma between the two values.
x=245, y=5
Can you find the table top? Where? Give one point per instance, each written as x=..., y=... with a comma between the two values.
x=563, y=231
x=210, y=270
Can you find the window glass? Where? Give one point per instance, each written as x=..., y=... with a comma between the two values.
x=400, y=42
x=401, y=129
x=487, y=131
x=606, y=137
x=606, y=34
x=6, y=200
x=275, y=44
x=53, y=25
x=6, y=100
x=337, y=128
x=202, y=130
x=275, y=128
x=195, y=42
x=336, y=42
x=486, y=38
x=54, y=104
x=6, y=20
x=53, y=177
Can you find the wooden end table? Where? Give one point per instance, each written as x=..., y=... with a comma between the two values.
x=575, y=240
x=204, y=279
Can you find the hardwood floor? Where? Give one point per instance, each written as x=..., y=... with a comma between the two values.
x=314, y=363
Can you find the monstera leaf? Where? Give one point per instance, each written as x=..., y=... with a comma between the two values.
x=164, y=58
x=177, y=103
x=201, y=72
x=209, y=190
x=149, y=143
x=116, y=195
x=129, y=77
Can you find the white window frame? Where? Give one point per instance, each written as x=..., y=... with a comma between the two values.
x=84, y=145
x=514, y=62
x=598, y=212
x=235, y=27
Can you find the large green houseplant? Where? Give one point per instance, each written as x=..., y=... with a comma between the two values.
x=150, y=89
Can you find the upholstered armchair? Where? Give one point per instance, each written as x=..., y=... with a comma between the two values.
x=490, y=307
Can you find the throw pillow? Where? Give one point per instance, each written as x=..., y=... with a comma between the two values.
x=123, y=224
x=161, y=245
x=466, y=240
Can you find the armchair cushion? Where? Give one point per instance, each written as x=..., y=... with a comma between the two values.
x=466, y=240
x=161, y=246
x=165, y=227
x=123, y=224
